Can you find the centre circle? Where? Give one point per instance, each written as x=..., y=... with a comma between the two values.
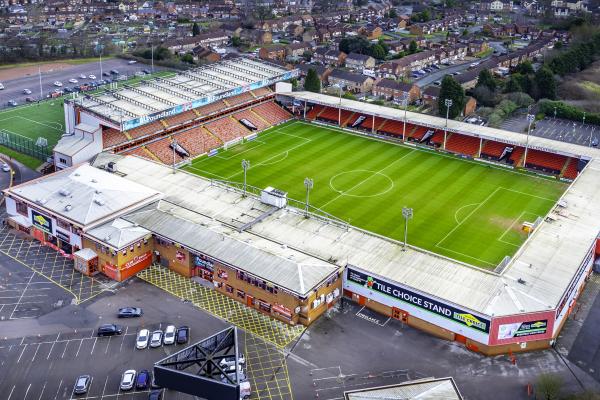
x=361, y=183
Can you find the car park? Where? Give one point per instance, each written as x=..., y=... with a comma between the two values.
x=109, y=330
x=142, y=339
x=82, y=384
x=92, y=76
x=182, y=335
x=128, y=380
x=169, y=336
x=156, y=338
x=26, y=91
x=58, y=83
x=130, y=312
x=143, y=380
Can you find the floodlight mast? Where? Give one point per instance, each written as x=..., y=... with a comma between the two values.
x=448, y=103
x=407, y=213
x=174, y=145
x=405, y=103
x=309, y=184
x=245, y=167
x=530, y=118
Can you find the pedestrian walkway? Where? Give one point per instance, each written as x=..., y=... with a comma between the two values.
x=248, y=319
x=53, y=266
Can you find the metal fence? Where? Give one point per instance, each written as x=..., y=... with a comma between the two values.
x=24, y=145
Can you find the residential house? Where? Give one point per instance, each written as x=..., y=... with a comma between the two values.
x=272, y=52
x=403, y=66
x=256, y=36
x=329, y=57
x=389, y=89
x=356, y=83
x=210, y=39
x=431, y=95
x=372, y=32
x=295, y=51
x=359, y=61
x=205, y=55
x=294, y=30
x=477, y=46
x=322, y=71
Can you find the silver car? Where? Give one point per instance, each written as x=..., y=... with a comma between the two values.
x=156, y=338
x=128, y=379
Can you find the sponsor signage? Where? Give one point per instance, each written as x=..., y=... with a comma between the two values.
x=204, y=262
x=41, y=221
x=520, y=329
x=465, y=318
x=63, y=236
x=137, y=260
x=134, y=123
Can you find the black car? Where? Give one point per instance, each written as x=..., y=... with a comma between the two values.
x=68, y=90
x=114, y=72
x=109, y=330
x=143, y=380
x=182, y=335
x=156, y=395
x=130, y=312
x=146, y=71
x=105, y=73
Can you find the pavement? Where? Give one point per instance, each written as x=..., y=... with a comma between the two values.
x=555, y=129
x=14, y=88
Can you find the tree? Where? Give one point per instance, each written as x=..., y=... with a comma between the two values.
x=512, y=85
x=548, y=387
x=195, y=29
x=393, y=13
x=236, y=41
x=524, y=68
x=545, y=83
x=378, y=52
x=357, y=44
x=486, y=79
x=384, y=45
x=412, y=47
x=188, y=58
x=349, y=96
x=558, y=45
x=484, y=96
x=451, y=89
x=312, y=83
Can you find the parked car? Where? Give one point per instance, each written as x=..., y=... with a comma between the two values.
x=58, y=83
x=114, y=72
x=131, y=62
x=26, y=91
x=228, y=362
x=156, y=394
x=92, y=76
x=110, y=330
x=595, y=142
x=82, y=384
x=29, y=99
x=183, y=335
x=128, y=380
x=5, y=167
x=156, y=338
x=73, y=80
x=12, y=103
x=130, y=312
x=1, y=86
x=142, y=339
x=68, y=90
x=146, y=71
x=169, y=336
x=82, y=76
x=143, y=380
x=437, y=83
x=106, y=73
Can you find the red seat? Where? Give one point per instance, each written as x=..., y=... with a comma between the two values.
x=253, y=118
x=462, y=144
x=227, y=129
x=271, y=112
x=545, y=160
x=493, y=149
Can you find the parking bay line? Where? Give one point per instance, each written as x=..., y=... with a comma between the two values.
x=94, y=345
x=11, y=392
x=65, y=350
x=23, y=351
x=41, y=394
x=36, y=351
x=58, y=390
x=79, y=348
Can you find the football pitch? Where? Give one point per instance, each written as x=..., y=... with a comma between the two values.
x=468, y=211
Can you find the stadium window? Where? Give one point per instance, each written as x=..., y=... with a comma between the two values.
x=21, y=208
x=63, y=225
x=228, y=289
x=62, y=160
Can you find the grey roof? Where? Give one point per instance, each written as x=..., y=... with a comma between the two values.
x=425, y=389
x=84, y=195
x=118, y=233
x=395, y=85
x=71, y=145
x=348, y=76
x=357, y=57
x=284, y=267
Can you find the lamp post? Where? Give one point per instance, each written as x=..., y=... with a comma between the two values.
x=530, y=118
x=448, y=104
x=554, y=112
x=405, y=102
x=245, y=167
x=173, y=145
x=339, y=86
x=407, y=213
x=308, y=183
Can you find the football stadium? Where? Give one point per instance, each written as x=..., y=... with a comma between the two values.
x=287, y=201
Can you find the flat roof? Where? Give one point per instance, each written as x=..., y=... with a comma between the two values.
x=546, y=262
x=485, y=132
x=130, y=104
x=118, y=233
x=83, y=194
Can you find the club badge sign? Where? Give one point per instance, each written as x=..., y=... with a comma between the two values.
x=455, y=314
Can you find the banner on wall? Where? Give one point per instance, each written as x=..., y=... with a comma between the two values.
x=463, y=317
x=521, y=329
x=203, y=261
x=41, y=221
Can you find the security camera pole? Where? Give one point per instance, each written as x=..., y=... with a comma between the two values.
x=245, y=166
x=407, y=213
x=530, y=118
x=448, y=103
x=308, y=183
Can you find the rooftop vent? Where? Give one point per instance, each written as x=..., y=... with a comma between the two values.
x=98, y=191
x=521, y=281
x=94, y=180
x=100, y=202
x=64, y=192
x=68, y=207
x=41, y=201
x=111, y=167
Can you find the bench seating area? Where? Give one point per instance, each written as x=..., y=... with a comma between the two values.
x=314, y=112
x=462, y=144
x=272, y=113
x=545, y=161
x=253, y=118
x=262, y=92
x=239, y=99
x=163, y=151
x=112, y=137
x=227, y=129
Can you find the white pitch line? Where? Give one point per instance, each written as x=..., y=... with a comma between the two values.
x=528, y=194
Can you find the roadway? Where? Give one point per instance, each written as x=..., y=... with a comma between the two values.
x=14, y=88
x=439, y=74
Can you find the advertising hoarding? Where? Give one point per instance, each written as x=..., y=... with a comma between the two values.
x=41, y=221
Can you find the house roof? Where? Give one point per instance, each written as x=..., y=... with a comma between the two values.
x=118, y=233
x=395, y=85
x=358, y=57
x=349, y=76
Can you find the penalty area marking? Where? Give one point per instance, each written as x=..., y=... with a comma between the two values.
x=462, y=208
x=501, y=238
x=285, y=155
x=345, y=193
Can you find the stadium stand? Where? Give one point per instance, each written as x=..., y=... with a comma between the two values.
x=462, y=144
x=196, y=141
x=227, y=129
x=272, y=113
x=181, y=118
x=140, y=152
x=211, y=108
x=112, y=137
x=570, y=170
x=314, y=112
x=417, y=134
x=517, y=156
x=438, y=138
x=394, y=128
x=162, y=150
x=239, y=99
x=147, y=129
x=546, y=161
x=261, y=92
x=329, y=114
x=255, y=119
x=492, y=149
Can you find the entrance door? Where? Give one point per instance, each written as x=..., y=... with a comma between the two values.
x=396, y=313
x=249, y=301
x=460, y=338
x=362, y=300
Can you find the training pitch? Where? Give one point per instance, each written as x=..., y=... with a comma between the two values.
x=466, y=210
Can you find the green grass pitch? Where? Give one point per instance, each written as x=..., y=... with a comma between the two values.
x=465, y=210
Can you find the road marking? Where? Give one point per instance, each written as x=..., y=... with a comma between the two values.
x=25, y=290
x=79, y=348
x=36, y=351
x=64, y=351
x=27, y=391
x=107, y=344
x=41, y=394
x=94, y=346
x=104, y=389
x=23, y=351
x=58, y=390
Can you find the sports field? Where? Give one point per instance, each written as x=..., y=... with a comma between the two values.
x=465, y=210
